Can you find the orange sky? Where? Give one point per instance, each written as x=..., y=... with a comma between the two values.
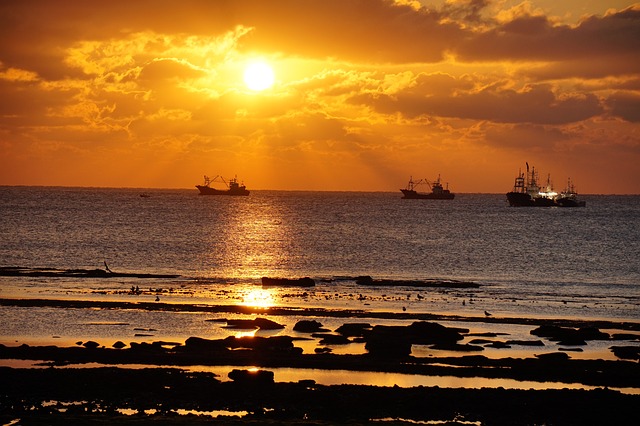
x=150, y=93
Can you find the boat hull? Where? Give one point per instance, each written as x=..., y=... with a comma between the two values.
x=519, y=199
x=413, y=195
x=570, y=202
x=207, y=190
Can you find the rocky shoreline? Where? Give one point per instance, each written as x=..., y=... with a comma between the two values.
x=158, y=396
x=179, y=395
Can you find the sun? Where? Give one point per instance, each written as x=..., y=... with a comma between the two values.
x=258, y=76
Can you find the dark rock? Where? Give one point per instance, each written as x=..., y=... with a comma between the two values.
x=146, y=348
x=260, y=323
x=91, y=344
x=386, y=342
x=252, y=377
x=569, y=336
x=288, y=282
x=331, y=339
x=553, y=356
x=625, y=336
x=396, y=341
x=369, y=281
x=354, y=329
x=119, y=345
x=626, y=352
x=592, y=333
x=424, y=333
x=200, y=344
x=308, y=326
x=266, y=324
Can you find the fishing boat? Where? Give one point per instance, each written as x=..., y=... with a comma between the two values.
x=438, y=192
x=528, y=193
x=569, y=197
x=233, y=187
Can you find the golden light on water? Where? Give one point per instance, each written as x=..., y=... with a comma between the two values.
x=255, y=243
x=259, y=298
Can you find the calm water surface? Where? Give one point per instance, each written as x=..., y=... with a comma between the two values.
x=541, y=261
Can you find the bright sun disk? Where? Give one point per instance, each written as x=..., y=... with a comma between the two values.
x=258, y=76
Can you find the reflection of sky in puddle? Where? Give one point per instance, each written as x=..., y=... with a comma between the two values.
x=181, y=412
x=339, y=377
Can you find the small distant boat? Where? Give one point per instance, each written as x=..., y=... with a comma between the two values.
x=437, y=191
x=569, y=197
x=528, y=193
x=233, y=187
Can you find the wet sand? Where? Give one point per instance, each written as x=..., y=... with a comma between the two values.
x=160, y=394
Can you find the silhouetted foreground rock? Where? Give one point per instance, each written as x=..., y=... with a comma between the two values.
x=93, y=396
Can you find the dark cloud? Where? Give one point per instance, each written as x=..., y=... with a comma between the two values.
x=33, y=33
x=625, y=105
x=535, y=38
x=536, y=104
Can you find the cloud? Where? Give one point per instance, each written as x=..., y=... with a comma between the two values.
x=370, y=81
x=625, y=105
x=537, y=104
x=536, y=38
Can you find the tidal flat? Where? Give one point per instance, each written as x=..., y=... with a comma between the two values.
x=554, y=368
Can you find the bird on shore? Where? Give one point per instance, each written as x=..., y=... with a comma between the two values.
x=487, y=313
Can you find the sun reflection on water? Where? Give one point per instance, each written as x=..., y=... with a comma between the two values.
x=255, y=241
x=259, y=298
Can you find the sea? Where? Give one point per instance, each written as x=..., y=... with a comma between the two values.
x=528, y=262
